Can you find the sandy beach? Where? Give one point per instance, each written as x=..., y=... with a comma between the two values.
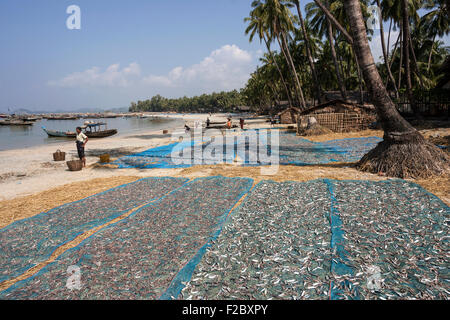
x=24, y=172
x=30, y=170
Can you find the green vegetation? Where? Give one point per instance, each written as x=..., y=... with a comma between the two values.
x=314, y=55
x=215, y=102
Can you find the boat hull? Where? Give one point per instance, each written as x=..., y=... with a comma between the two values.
x=98, y=134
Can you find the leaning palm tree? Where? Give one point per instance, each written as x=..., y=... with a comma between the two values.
x=404, y=152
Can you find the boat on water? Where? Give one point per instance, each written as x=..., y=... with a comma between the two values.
x=61, y=117
x=16, y=123
x=92, y=130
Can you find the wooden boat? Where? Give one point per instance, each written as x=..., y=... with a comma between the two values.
x=59, y=134
x=92, y=130
x=15, y=123
x=61, y=117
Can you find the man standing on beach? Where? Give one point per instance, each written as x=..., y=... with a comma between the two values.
x=82, y=139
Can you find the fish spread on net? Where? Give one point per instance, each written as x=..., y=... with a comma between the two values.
x=395, y=228
x=138, y=257
x=276, y=245
x=30, y=241
x=293, y=150
x=322, y=239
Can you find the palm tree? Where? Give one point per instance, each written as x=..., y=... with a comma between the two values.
x=323, y=26
x=437, y=21
x=308, y=52
x=257, y=26
x=278, y=23
x=404, y=152
x=385, y=53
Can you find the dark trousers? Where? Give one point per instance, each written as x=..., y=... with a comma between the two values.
x=80, y=149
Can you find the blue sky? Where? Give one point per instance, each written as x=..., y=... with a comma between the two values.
x=125, y=51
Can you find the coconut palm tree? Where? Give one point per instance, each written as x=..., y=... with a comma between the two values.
x=322, y=25
x=383, y=47
x=404, y=152
x=278, y=20
x=257, y=26
x=308, y=51
x=437, y=21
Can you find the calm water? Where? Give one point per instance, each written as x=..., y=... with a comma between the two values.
x=14, y=137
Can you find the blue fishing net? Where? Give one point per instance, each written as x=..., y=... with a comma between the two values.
x=140, y=256
x=28, y=242
x=326, y=240
x=250, y=148
x=320, y=239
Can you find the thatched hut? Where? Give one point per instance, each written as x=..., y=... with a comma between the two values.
x=339, y=116
x=289, y=115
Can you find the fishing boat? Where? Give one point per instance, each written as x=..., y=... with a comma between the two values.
x=94, y=130
x=59, y=134
x=15, y=123
x=91, y=130
x=61, y=117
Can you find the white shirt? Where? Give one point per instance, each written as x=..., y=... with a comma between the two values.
x=81, y=137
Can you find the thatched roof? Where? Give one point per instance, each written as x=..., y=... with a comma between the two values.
x=296, y=111
x=339, y=104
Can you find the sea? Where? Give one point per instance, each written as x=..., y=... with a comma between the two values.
x=18, y=137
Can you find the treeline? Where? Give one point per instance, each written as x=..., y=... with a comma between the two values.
x=314, y=56
x=215, y=102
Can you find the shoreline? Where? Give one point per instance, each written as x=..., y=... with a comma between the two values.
x=29, y=171
x=26, y=171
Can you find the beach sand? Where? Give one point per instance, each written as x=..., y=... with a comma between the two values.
x=31, y=182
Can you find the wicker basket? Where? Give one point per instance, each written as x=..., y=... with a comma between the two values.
x=75, y=165
x=59, y=156
x=104, y=158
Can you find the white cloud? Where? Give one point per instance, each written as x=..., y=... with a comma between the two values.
x=224, y=69
x=113, y=76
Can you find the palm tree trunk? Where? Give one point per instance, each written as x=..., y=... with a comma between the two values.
x=308, y=53
x=406, y=37
x=283, y=81
x=287, y=54
x=335, y=61
x=400, y=66
x=389, y=36
x=431, y=52
x=385, y=55
x=393, y=55
x=404, y=152
x=416, y=67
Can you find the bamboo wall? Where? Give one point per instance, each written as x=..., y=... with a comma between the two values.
x=341, y=122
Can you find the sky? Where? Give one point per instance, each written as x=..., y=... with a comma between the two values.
x=124, y=51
